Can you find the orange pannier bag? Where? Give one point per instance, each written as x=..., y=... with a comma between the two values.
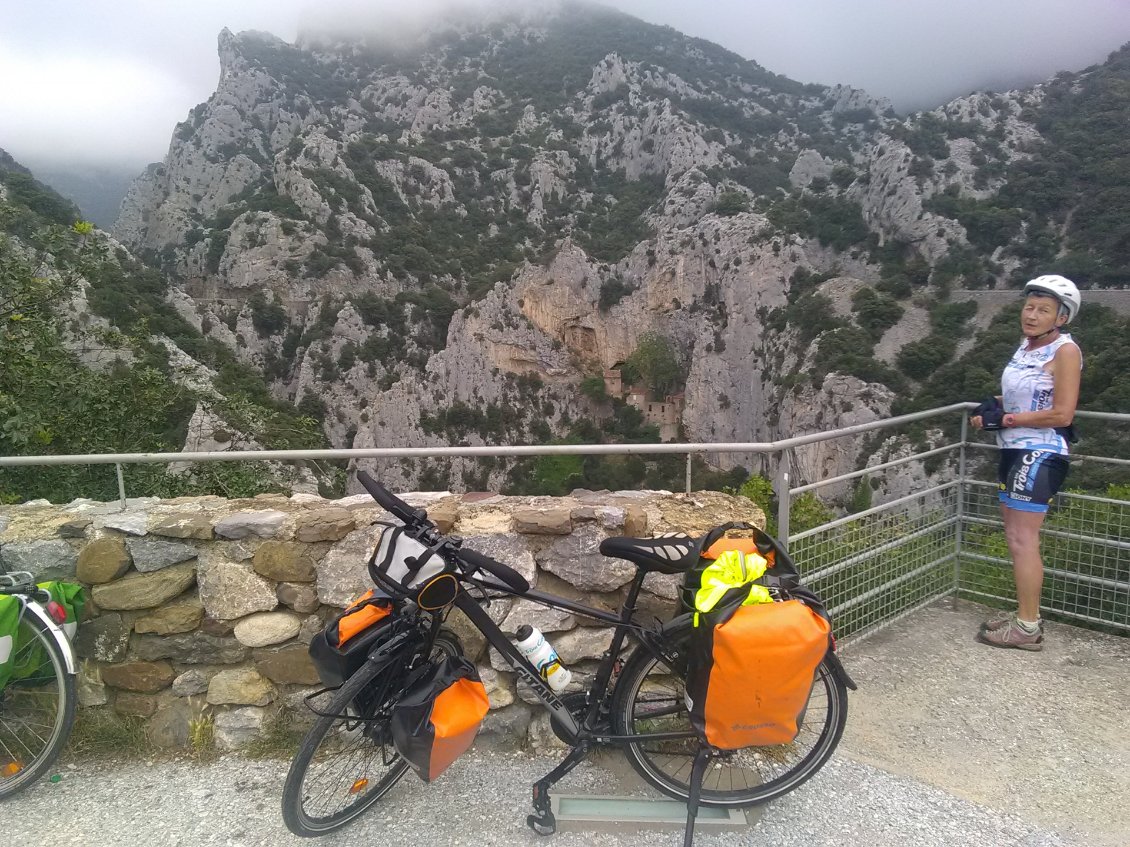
x=340, y=649
x=756, y=645
x=751, y=672
x=439, y=715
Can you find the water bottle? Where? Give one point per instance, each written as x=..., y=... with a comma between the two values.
x=540, y=653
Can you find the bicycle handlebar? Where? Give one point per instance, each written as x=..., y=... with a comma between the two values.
x=416, y=518
x=390, y=502
x=492, y=566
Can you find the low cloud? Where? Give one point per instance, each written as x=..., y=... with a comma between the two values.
x=107, y=80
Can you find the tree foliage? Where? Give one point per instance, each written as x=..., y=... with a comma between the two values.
x=656, y=364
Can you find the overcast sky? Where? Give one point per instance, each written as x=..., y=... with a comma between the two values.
x=106, y=80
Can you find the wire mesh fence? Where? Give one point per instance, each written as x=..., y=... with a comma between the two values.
x=875, y=567
x=1085, y=545
x=883, y=563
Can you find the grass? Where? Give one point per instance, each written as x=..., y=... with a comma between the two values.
x=279, y=740
x=103, y=732
x=202, y=736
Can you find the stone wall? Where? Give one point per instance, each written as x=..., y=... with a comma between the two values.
x=205, y=606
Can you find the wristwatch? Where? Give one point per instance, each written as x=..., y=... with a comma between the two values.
x=1008, y=420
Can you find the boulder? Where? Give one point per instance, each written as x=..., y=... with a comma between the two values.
x=53, y=559
x=150, y=554
x=236, y=728
x=284, y=561
x=324, y=525
x=264, y=523
x=144, y=590
x=103, y=639
x=265, y=628
x=576, y=559
x=181, y=616
x=301, y=598
x=192, y=681
x=231, y=590
x=553, y=520
x=184, y=526
x=102, y=560
x=240, y=687
x=289, y=665
x=343, y=575
x=194, y=648
x=142, y=677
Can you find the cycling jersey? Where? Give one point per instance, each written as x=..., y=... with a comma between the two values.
x=1027, y=387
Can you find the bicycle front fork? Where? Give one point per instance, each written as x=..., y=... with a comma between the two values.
x=542, y=821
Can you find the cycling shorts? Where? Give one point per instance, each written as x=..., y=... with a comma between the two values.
x=1029, y=479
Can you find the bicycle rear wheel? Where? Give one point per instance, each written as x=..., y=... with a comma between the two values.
x=650, y=697
x=346, y=764
x=37, y=707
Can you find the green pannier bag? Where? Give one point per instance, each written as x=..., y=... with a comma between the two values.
x=24, y=662
x=9, y=621
x=70, y=596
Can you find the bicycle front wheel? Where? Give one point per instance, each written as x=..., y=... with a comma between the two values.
x=347, y=762
x=37, y=707
x=650, y=697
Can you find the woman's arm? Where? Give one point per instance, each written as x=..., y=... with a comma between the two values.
x=1066, y=371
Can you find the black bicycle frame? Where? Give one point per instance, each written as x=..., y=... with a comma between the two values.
x=624, y=626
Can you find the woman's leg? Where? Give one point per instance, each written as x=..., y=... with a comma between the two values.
x=1022, y=532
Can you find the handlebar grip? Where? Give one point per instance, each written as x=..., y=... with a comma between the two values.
x=504, y=572
x=389, y=501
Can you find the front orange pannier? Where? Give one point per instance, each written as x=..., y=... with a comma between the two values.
x=343, y=645
x=752, y=670
x=438, y=717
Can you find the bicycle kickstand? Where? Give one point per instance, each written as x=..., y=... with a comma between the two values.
x=542, y=821
x=698, y=770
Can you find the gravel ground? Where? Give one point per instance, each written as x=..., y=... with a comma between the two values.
x=481, y=801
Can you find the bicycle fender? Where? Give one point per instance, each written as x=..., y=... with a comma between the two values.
x=56, y=633
x=838, y=670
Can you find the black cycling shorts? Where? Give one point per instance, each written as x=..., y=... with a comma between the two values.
x=1029, y=479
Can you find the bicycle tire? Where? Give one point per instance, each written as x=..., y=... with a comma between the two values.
x=649, y=696
x=37, y=709
x=372, y=691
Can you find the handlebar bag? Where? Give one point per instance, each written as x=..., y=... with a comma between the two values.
x=401, y=563
x=437, y=718
x=339, y=650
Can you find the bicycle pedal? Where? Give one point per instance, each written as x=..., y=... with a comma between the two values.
x=542, y=824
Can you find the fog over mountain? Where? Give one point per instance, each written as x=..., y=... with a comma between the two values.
x=104, y=82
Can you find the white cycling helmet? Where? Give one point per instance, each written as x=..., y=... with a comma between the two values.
x=1059, y=287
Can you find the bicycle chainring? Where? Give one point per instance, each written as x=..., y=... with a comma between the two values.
x=576, y=702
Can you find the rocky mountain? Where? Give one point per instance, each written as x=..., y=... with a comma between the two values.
x=580, y=226
x=94, y=360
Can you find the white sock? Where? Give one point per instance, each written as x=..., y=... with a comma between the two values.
x=1030, y=627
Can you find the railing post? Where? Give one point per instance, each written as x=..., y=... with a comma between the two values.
x=121, y=484
x=689, y=455
x=784, y=499
x=960, y=523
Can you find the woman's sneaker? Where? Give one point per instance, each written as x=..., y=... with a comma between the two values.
x=1011, y=634
x=1000, y=619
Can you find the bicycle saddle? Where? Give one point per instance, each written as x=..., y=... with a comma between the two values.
x=672, y=552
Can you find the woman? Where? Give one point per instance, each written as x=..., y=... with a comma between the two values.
x=1040, y=388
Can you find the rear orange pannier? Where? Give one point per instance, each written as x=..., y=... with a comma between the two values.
x=758, y=640
x=752, y=672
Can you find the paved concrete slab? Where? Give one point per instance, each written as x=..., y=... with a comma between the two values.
x=1042, y=736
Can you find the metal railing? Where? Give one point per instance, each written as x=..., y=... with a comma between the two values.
x=879, y=564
